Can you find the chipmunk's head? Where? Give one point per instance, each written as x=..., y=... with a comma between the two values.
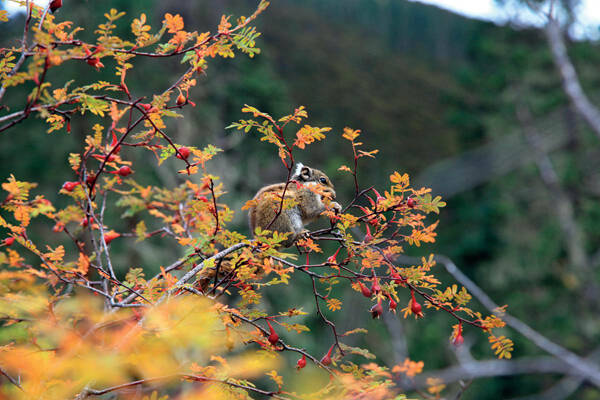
x=308, y=175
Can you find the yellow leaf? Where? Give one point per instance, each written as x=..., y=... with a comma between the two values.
x=55, y=255
x=350, y=134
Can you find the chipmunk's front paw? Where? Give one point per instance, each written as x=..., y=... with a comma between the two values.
x=336, y=207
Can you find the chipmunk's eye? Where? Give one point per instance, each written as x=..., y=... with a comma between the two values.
x=323, y=181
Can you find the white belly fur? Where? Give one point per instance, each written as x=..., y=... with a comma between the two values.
x=295, y=219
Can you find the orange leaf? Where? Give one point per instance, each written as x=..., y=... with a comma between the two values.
x=174, y=23
x=83, y=264
x=224, y=25
x=22, y=215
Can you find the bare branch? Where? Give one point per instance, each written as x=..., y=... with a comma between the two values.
x=571, y=83
x=190, y=274
x=10, y=378
x=582, y=366
x=573, y=235
x=492, y=368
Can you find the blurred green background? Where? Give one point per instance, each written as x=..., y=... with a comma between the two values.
x=438, y=95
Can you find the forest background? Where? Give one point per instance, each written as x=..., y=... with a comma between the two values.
x=450, y=100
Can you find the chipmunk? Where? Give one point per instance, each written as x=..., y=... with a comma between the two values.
x=311, y=191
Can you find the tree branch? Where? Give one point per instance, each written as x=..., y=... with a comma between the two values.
x=492, y=368
x=570, y=81
x=582, y=366
x=572, y=234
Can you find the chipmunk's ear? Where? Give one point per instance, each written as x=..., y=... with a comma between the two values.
x=305, y=174
x=301, y=172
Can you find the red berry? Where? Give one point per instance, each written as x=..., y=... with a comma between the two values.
x=95, y=62
x=333, y=258
x=411, y=203
x=110, y=236
x=326, y=360
x=377, y=310
x=69, y=186
x=184, y=153
x=146, y=106
x=273, y=337
x=393, y=304
x=301, y=362
x=458, y=340
x=365, y=290
x=55, y=5
x=368, y=236
x=415, y=307
x=9, y=240
x=180, y=100
x=375, y=288
x=397, y=278
x=125, y=170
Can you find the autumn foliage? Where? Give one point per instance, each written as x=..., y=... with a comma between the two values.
x=80, y=327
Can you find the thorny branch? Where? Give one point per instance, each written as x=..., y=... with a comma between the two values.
x=87, y=392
